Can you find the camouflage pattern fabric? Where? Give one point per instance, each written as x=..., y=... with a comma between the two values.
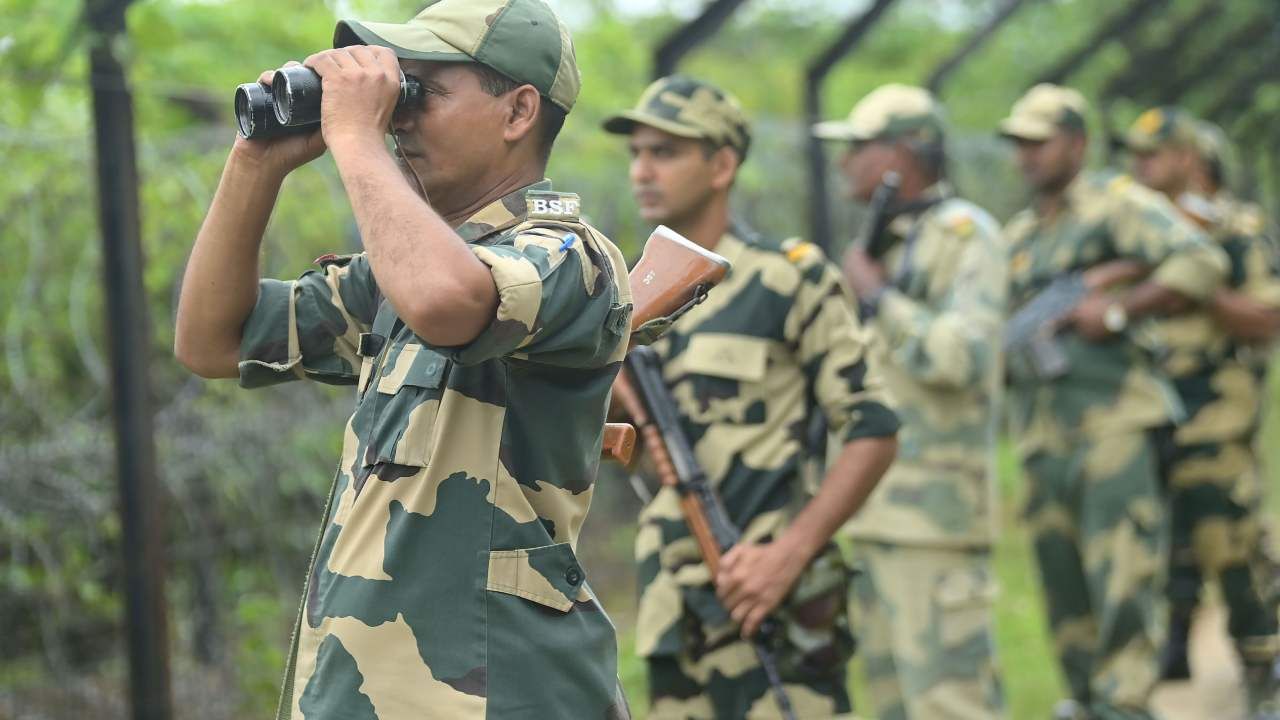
x=1212, y=471
x=444, y=582
x=937, y=345
x=1093, y=504
x=522, y=39
x=924, y=631
x=1100, y=541
x=747, y=367
x=689, y=108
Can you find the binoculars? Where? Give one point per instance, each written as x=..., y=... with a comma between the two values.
x=291, y=104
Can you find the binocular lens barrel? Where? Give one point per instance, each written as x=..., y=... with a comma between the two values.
x=295, y=91
x=255, y=114
x=292, y=104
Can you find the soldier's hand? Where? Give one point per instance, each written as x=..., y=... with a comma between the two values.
x=1088, y=317
x=361, y=87
x=753, y=580
x=865, y=276
x=284, y=154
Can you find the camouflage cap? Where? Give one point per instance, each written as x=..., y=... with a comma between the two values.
x=1214, y=150
x=889, y=112
x=522, y=39
x=1161, y=126
x=688, y=108
x=1043, y=111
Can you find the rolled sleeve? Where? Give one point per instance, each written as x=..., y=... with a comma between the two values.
x=832, y=348
x=955, y=343
x=1147, y=227
x=557, y=304
x=309, y=328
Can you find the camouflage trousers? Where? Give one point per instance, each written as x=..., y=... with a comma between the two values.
x=923, y=617
x=1215, y=497
x=1100, y=537
x=718, y=676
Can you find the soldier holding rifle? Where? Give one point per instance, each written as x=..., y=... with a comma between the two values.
x=1216, y=358
x=930, y=273
x=1085, y=399
x=777, y=340
x=482, y=329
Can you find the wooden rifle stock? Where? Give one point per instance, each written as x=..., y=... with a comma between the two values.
x=673, y=274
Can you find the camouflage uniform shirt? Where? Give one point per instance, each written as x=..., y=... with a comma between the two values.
x=444, y=583
x=937, y=346
x=746, y=367
x=1220, y=380
x=1111, y=385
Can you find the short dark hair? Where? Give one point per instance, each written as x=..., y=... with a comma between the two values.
x=553, y=116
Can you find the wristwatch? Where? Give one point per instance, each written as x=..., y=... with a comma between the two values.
x=1115, y=318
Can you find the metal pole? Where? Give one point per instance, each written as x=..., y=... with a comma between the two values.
x=943, y=71
x=694, y=33
x=1243, y=40
x=815, y=77
x=1154, y=60
x=128, y=328
x=1120, y=24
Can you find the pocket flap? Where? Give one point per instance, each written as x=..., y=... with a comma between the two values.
x=411, y=365
x=549, y=575
x=727, y=356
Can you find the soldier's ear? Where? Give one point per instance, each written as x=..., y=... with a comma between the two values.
x=724, y=167
x=522, y=108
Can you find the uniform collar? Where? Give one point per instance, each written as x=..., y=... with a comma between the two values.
x=501, y=214
x=911, y=212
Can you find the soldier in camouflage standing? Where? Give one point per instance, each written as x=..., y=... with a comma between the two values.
x=1094, y=506
x=482, y=332
x=774, y=342
x=1210, y=465
x=933, y=289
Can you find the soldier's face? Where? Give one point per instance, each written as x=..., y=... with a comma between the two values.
x=1164, y=169
x=672, y=178
x=1050, y=165
x=864, y=165
x=453, y=138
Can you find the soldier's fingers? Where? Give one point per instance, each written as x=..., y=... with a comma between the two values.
x=752, y=624
x=726, y=588
x=730, y=559
x=265, y=77
x=361, y=56
x=323, y=62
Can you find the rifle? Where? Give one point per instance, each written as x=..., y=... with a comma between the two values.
x=672, y=276
x=1031, y=330
x=870, y=234
x=643, y=392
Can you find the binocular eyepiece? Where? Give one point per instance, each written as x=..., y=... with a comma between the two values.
x=292, y=103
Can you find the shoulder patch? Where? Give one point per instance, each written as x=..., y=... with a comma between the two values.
x=961, y=224
x=549, y=205
x=1120, y=184
x=798, y=250
x=334, y=259
x=1248, y=222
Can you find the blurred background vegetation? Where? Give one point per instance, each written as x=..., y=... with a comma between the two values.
x=245, y=473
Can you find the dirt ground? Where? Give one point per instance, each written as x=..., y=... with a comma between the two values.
x=1214, y=691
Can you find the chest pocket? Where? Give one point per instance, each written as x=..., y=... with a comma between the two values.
x=407, y=399
x=726, y=374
